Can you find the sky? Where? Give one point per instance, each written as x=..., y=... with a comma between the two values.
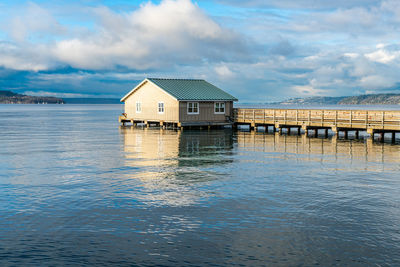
x=257, y=50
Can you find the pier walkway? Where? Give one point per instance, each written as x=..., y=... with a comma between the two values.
x=371, y=121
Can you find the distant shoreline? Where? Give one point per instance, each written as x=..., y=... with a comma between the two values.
x=8, y=97
x=370, y=99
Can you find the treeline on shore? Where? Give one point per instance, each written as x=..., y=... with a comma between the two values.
x=371, y=99
x=8, y=97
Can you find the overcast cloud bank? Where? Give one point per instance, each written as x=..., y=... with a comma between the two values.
x=258, y=52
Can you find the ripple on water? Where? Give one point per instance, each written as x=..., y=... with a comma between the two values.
x=77, y=189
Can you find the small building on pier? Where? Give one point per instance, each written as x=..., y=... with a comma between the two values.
x=179, y=102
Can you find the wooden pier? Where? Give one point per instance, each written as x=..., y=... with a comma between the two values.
x=303, y=120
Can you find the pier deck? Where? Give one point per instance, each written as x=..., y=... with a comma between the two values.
x=372, y=121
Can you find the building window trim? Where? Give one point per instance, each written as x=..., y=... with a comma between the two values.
x=138, y=107
x=160, y=107
x=193, y=108
x=219, y=108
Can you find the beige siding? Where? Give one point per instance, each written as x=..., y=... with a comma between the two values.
x=206, y=113
x=149, y=95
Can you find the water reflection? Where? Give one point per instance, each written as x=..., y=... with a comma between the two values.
x=174, y=164
x=323, y=149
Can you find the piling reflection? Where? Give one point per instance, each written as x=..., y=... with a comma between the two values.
x=326, y=148
x=172, y=164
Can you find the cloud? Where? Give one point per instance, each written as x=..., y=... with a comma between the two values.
x=384, y=54
x=59, y=94
x=33, y=19
x=154, y=36
x=257, y=50
x=299, y=4
x=37, y=58
x=224, y=72
x=173, y=32
x=308, y=90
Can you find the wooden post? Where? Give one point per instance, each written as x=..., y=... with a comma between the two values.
x=304, y=127
x=393, y=137
x=351, y=118
x=285, y=116
x=263, y=115
x=326, y=132
x=346, y=134
x=252, y=126
x=336, y=113
x=357, y=134
x=371, y=132
x=322, y=118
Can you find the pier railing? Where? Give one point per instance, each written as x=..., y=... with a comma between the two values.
x=349, y=119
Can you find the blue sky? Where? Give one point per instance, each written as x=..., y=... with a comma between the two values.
x=259, y=51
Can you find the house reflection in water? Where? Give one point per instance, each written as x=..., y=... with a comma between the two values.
x=171, y=165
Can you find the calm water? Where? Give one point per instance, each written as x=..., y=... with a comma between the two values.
x=77, y=189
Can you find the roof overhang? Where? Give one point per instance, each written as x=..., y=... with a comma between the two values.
x=208, y=100
x=140, y=85
x=191, y=100
x=133, y=90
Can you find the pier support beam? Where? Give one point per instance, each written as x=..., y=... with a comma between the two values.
x=371, y=132
x=393, y=137
x=305, y=129
x=346, y=134
x=357, y=134
x=382, y=136
x=334, y=130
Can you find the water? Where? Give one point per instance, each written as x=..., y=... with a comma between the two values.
x=77, y=189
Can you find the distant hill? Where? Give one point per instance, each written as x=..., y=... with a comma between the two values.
x=92, y=101
x=8, y=97
x=371, y=99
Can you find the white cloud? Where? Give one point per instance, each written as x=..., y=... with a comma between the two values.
x=171, y=33
x=34, y=19
x=308, y=90
x=224, y=72
x=46, y=93
x=382, y=55
x=330, y=49
x=34, y=59
x=377, y=82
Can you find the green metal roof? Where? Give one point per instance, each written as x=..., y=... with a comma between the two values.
x=188, y=89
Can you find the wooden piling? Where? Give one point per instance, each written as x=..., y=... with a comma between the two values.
x=346, y=120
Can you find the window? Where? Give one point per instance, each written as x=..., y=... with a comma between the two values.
x=138, y=107
x=219, y=108
x=193, y=108
x=161, y=107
